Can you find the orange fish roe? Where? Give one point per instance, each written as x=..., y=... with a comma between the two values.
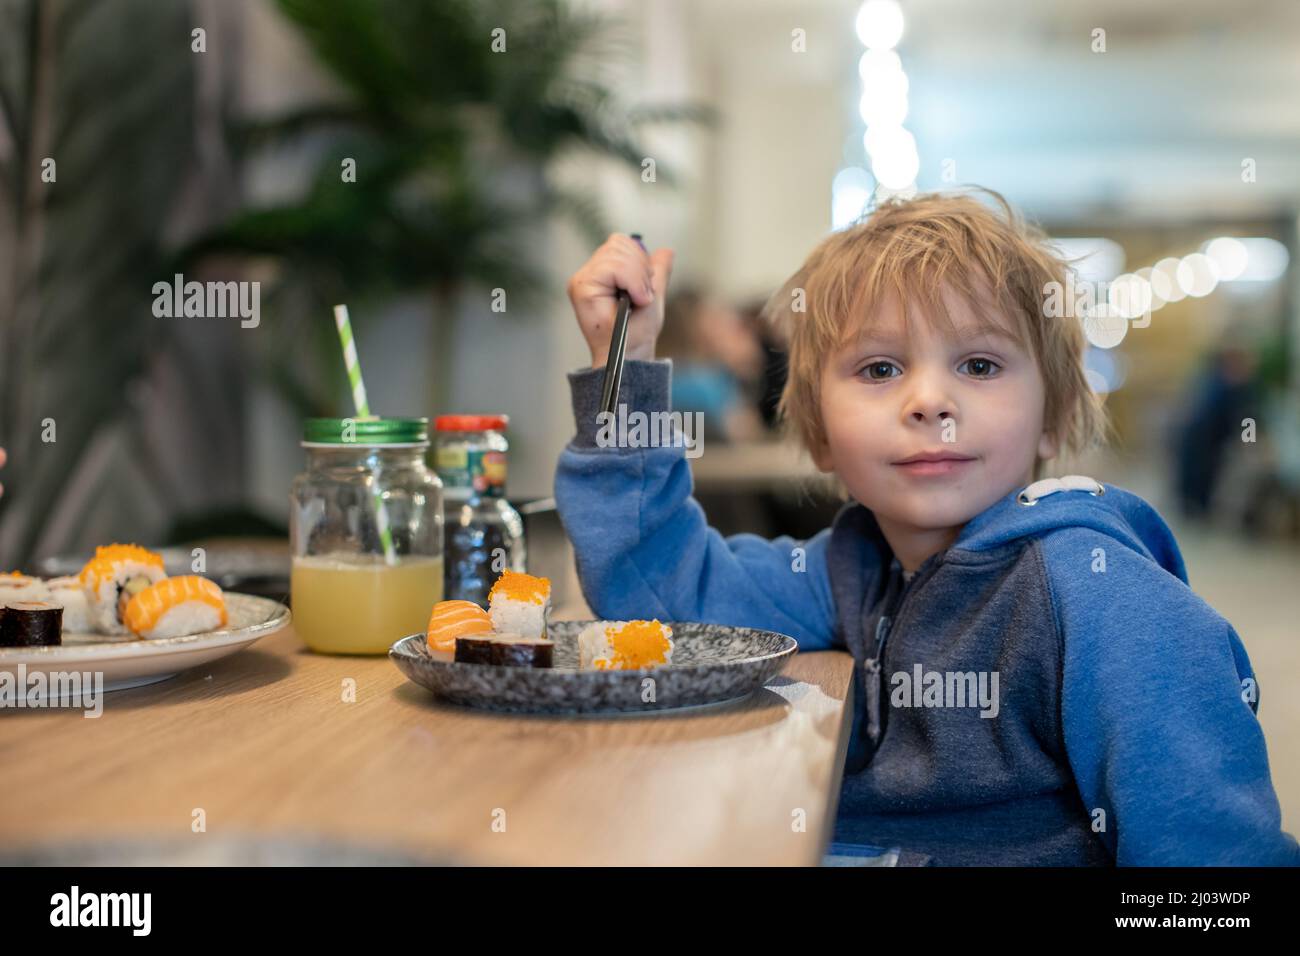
x=100, y=567
x=521, y=587
x=635, y=644
x=453, y=619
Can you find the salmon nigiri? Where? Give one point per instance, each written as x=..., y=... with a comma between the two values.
x=453, y=619
x=175, y=607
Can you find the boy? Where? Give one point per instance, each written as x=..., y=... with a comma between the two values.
x=1035, y=683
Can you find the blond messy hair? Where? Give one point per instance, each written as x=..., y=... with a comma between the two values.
x=914, y=249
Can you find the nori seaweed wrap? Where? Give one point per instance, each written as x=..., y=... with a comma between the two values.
x=31, y=624
x=523, y=653
x=474, y=650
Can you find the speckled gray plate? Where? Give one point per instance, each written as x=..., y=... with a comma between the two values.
x=712, y=663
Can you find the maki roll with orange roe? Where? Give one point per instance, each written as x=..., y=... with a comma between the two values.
x=115, y=575
x=69, y=593
x=16, y=586
x=519, y=604
x=624, y=645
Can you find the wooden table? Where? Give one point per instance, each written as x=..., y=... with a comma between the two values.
x=264, y=743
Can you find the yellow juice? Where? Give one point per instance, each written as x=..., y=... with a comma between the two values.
x=357, y=604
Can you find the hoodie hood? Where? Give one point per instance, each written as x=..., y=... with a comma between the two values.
x=1116, y=513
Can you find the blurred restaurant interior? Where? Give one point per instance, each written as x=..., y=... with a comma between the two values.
x=1158, y=142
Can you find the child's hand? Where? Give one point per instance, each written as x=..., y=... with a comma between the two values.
x=621, y=263
x=3, y=459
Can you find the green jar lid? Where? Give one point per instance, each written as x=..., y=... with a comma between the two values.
x=365, y=431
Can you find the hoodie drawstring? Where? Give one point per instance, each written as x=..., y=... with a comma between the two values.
x=1049, y=486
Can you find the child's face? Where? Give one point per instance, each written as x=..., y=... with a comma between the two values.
x=885, y=399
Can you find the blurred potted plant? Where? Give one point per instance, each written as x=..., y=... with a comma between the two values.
x=451, y=141
x=451, y=111
x=94, y=153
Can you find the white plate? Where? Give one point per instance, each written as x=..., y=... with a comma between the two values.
x=129, y=662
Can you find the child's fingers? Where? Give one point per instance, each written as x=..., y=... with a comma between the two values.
x=603, y=287
x=624, y=243
x=626, y=246
x=612, y=270
x=661, y=265
x=636, y=257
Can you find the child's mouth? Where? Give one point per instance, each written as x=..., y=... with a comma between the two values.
x=925, y=466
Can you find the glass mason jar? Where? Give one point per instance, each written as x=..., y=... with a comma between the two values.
x=355, y=589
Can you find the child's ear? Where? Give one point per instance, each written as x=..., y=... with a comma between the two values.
x=821, y=456
x=1048, y=446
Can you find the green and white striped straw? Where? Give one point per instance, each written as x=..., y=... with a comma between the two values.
x=363, y=411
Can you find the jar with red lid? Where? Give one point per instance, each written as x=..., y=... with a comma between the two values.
x=484, y=534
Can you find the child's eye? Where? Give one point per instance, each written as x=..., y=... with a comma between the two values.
x=981, y=367
x=871, y=370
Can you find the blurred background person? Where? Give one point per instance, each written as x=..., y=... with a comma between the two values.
x=1219, y=397
x=718, y=364
x=773, y=346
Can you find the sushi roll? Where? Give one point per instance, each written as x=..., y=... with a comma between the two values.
x=31, y=624
x=175, y=607
x=69, y=593
x=453, y=619
x=474, y=650
x=519, y=604
x=504, y=650
x=16, y=586
x=115, y=575
x=624, y=645
x=511, y=650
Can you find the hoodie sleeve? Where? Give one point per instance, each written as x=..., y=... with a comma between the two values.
x=643, y=546
x=1158, y=713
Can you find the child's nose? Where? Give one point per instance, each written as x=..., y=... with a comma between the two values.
x=930, y=402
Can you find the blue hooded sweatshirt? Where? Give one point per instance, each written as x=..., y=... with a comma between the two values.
x=1047, y=691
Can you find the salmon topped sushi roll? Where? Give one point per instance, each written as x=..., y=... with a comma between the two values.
x=519, y=604
x=453, y=619
x=115, y=575
x=176, y=607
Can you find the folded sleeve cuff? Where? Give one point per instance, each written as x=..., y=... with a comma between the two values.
x=646, y=387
